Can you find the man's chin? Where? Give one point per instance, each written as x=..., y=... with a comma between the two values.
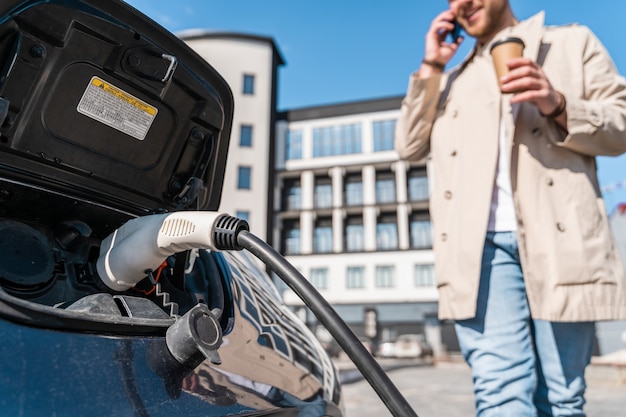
x=474, y=32
x=478, y=32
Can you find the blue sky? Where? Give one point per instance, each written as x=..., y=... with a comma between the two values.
x=346, y=50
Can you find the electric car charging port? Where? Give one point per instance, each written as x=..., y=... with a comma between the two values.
x=48, y=260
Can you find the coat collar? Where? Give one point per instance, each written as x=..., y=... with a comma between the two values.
x=531, y=32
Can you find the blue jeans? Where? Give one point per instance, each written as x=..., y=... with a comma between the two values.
x=521, y=366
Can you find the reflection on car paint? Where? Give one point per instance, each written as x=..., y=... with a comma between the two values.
x=285, y=349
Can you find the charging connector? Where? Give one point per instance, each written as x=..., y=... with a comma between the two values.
x=142, y=244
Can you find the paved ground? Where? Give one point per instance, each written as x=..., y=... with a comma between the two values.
x=445, y=390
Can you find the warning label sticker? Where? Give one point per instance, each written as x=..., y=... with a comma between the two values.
x=114, y=107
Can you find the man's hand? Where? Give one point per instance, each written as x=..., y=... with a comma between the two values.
x=530, y=84
x=438, y=52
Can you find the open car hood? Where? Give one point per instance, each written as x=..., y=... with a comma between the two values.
x=100, y=102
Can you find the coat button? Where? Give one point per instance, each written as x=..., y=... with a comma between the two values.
x=594, y=118
x=444, y=237
x=448, y=195
x=550, y=182
x=453, y=152
x=455, y=113
x=560, y=227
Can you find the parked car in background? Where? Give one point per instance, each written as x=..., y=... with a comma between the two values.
x=386, y=349
x=411, y=346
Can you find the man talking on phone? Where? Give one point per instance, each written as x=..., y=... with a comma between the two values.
x=525, y=261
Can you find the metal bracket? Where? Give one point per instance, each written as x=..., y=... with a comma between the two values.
x=172, y=67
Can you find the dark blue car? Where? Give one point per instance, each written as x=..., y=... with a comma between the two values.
x=105, y=117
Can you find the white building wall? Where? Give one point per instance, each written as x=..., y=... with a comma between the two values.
x=233, y=58
x=338, y=293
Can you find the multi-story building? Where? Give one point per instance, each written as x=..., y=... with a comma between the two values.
x=325, y=187
x=354, y=218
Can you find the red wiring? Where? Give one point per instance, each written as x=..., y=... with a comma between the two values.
x=156, y=279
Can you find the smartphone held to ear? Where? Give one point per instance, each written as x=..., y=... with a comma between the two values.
x=455, y=34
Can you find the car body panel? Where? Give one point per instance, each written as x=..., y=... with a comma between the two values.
x=271, y=365
x=70, y=344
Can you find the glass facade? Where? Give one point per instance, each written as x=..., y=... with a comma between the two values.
x=386, y=230
x=424, y=275
x=354, y=191
x=383, y=132
x=323, y=236
x=385, y=188
x=385, y=276
x=323, y=193
x=245, y=136
x=243, y=214
x=293, y=145
x=244, y=178
x=291, y=237
x=319, y=278
x=387, y=233
x=337, y=140
x=355, y=277
x=355, y=234
x=248, y=84
x=420, y=233
x=292, y=194
x=417, y=183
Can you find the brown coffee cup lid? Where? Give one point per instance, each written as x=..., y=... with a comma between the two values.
x=506, y=40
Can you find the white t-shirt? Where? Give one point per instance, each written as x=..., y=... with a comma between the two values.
x=502, y=216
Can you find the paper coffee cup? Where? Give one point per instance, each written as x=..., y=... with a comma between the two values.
x=502, y=51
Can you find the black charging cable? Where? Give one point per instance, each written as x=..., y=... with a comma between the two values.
x=366, y=364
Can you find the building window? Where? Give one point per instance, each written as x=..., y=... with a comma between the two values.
x=244, y=178
x=384, y=132
x=337, y=140
x=354, y=190
x=420, y=231
x=323, y=236
x=292, y=194
x=248, y=84
x=319, y=278
x=385, y=188
x=293, y=146
x=387, y=232
x=245, y=136
x=424, y=275
x=323, y=193
x=385, y=276
x=418, y=185
x=355, y=277
x=291, y=237
x=355, y=234
x=243, y=214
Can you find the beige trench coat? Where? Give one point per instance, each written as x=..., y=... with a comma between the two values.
x=571, y=265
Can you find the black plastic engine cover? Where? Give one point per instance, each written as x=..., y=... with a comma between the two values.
x=100, y=102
